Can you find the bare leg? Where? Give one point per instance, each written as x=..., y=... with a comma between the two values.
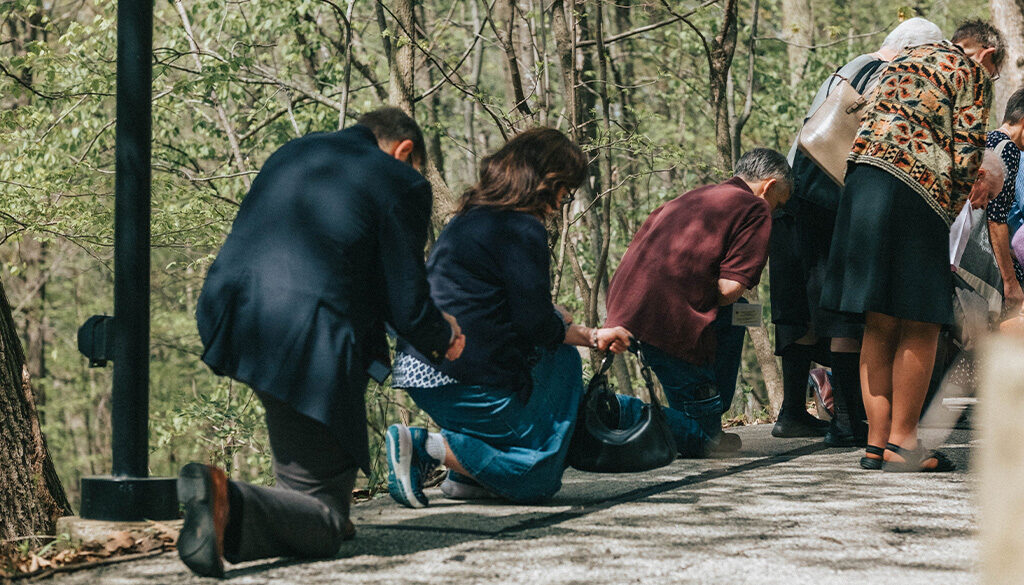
x=878, y=351
x=452, y=463
x=912, y=370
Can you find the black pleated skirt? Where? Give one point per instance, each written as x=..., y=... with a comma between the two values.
x=890, y=252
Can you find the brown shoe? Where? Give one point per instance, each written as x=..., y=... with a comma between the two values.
x=203, y=492
x=349, y=531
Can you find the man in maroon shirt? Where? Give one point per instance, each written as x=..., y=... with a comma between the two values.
x=690, y=261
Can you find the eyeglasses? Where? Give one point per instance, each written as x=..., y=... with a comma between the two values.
x=570, y=196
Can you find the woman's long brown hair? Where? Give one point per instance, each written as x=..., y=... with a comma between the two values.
x=527, y=173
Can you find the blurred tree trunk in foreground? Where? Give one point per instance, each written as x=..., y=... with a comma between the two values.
x=31, y=494
x=1008, y=15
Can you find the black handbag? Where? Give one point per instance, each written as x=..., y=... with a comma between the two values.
x=598, y=444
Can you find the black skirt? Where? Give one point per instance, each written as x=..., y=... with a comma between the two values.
x=890, y=252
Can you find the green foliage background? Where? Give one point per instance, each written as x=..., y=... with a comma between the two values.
x=269, y=71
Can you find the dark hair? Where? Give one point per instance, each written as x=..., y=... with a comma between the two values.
x=984, y=34
x=390, y=124
x=764, y=163
x=527, y=173
x=1014, y=108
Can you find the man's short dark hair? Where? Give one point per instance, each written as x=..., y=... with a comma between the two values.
x=1014, y=108
x=390, y=124
x=984, y=34
x=764, y=163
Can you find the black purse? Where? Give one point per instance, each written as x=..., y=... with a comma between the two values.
x=598, y=445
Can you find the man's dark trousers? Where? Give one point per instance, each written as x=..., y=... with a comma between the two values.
x=307, y=514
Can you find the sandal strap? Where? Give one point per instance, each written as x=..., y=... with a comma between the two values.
x=917, y=456
x=901, y=451
x=943, y=463
x=873, y=450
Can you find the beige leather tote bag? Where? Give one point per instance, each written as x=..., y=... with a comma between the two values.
x=827, y=136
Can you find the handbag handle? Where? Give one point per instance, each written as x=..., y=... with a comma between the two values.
x=635, y=346
x=645, y=372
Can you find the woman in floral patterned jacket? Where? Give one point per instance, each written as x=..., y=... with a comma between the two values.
x=913, y=163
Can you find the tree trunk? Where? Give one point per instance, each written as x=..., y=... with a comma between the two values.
x=766, y=360
x=31, y=495
x=798, y=22
x=474, y=145
x=402, y=87
x=1009, y=17
x=506, y=35
x=723, y=47
x=402, y=71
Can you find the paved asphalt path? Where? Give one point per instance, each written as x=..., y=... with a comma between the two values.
x=782, y=511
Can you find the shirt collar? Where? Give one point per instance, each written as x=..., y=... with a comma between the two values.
x=362, y=131
x=738, y=182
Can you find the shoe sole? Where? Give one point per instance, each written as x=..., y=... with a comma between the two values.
x=902, y=467
x=454, y=490
x=842, y=441
x=798, y=435
x=870, y=463
x=197, y=543
x=399, y=449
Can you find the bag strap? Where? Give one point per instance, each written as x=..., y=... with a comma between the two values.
x=645, y=372
x=1001, y=147
x=833, y=80
x=865, y=73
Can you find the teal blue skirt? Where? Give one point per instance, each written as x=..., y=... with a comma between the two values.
x=890, y=252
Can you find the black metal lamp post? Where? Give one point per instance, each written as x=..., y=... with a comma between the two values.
x=129, y=494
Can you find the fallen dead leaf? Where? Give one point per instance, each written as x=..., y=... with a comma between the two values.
x=122, y=540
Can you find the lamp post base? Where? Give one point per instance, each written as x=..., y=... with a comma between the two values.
x=129, y=498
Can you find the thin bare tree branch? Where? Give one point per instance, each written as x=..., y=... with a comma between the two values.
x=649, y=27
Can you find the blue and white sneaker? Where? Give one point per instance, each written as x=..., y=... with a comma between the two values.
x=462, y=487
x=408, y=464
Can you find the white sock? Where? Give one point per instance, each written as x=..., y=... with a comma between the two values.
x=435, y=446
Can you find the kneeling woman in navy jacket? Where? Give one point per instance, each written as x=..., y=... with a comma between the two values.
x=508, y=406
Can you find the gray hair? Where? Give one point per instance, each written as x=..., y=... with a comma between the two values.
x=764, y=163
x=912, y=32
x=994, y=165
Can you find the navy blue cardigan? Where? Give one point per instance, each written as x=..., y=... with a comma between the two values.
x=490, y=268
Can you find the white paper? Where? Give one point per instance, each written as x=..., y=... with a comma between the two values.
x=746, y=314
x=959, y=233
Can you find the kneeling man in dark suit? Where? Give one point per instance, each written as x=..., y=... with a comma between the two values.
x=326, y=249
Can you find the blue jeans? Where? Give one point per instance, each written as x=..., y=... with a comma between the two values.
x=518, y=450
x=692, y=388
x=513, y=449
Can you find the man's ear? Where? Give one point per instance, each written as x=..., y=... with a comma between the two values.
x=402, y=150
x=767, y=185
x=988, y=52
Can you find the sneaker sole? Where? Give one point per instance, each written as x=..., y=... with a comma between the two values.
x=197, y=545
x=399, y=448
x=454, y=490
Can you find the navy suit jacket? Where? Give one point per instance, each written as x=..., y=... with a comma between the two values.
x=326, y=249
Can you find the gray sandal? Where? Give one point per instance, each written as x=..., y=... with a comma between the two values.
x=914, y=458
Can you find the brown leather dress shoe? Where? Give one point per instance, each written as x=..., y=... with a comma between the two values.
x=203, y=491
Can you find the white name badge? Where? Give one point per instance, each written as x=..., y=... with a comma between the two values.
x=746, y=314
